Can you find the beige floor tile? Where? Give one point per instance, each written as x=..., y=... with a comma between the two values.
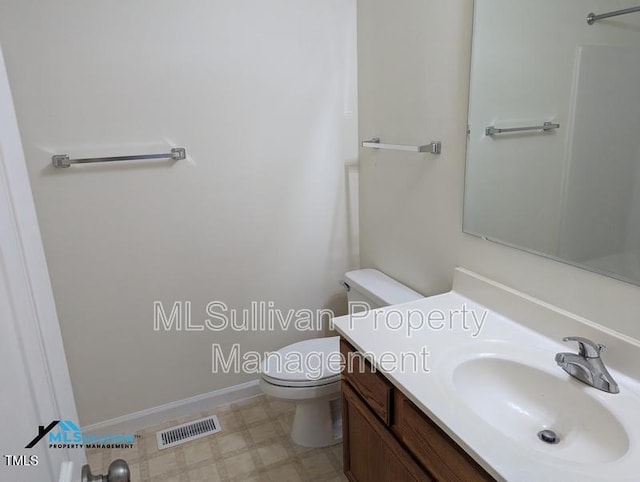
x=198, y=451
x=273, y=453
x=254, y=478
x=253, y=414
x=170, y=478
x=231, y=443
x=336, y=450
x=339, y=478
x=208, y=473
x=239, y=465
x=135, y=472
x=254, y=445
x=285, y=424
x=150, y=444
x=265, y=431
x=230, y=421
x=284, y=473
x=317, y=465
x=280, y=407
x=163, y=463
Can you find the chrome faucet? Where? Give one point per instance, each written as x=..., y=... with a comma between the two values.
x=586, y=365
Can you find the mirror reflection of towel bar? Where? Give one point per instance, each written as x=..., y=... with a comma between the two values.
x=434, y=147
x=593, y=18
x=547, y=126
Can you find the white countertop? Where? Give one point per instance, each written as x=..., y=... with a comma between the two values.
x=450, y=337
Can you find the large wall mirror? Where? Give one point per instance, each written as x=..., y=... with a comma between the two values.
x=553, y=155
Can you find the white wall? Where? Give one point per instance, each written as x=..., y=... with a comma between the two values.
x=411, y=208
x=262, y=94
x=413, y=58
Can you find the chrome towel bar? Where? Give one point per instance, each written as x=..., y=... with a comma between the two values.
x=547, y=126
x=593, y=18
x=434, y=147
x=63, y=160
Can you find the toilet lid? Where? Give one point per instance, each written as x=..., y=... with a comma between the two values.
x=306, y=363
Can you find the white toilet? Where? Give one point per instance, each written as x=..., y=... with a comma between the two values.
x=316, y=391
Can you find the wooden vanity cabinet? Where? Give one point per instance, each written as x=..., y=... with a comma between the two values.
x=386, y=438
x=371, y=452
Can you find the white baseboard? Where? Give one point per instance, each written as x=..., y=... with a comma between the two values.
x=136, y=421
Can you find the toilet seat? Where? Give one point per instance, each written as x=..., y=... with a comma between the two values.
x=302, y=383
x=308, y=363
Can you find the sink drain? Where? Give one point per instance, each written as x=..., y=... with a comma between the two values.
x=548, y=436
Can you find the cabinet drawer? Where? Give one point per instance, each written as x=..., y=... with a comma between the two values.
x=434, y=449
x=371, y=386
x=371, y=453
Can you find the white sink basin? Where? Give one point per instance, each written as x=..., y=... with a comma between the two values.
x=519, y=400
x=494, y=392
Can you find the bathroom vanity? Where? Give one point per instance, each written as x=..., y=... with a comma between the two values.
x=491, y=402
x=386, y=437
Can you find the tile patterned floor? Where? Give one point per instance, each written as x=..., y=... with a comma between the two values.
x=254, y=445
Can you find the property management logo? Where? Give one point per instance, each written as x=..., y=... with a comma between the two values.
x=64, y=434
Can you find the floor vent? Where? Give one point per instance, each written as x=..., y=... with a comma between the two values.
x=187, y=431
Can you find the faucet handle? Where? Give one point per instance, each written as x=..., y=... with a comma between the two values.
x=586, y=347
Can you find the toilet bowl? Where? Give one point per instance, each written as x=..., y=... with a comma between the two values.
x=308, y=372
x=316, y=420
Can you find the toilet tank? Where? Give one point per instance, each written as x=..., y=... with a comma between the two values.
x=376, y=289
